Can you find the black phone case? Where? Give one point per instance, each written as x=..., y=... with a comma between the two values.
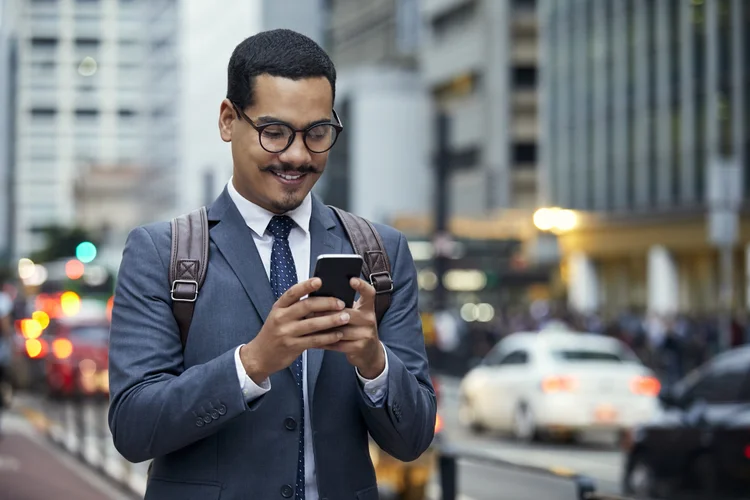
x=335, y=274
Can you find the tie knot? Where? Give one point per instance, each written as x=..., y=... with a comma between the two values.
x=280, y=226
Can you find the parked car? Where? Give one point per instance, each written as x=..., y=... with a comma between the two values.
x=78, y=361
x=556, y=382
x=698, y=445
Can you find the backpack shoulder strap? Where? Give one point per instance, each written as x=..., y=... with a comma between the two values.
x=187, y=266
x=377, y=267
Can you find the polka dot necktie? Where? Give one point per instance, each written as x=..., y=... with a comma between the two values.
x=283, y=276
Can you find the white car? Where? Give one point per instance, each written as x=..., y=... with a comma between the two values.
x=558, y=382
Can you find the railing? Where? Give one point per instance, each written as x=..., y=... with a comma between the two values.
x=584, y=487
x=80, y=428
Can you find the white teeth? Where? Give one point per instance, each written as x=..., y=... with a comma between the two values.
x=289, y=177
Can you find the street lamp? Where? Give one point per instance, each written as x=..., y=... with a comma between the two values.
x=555, y=219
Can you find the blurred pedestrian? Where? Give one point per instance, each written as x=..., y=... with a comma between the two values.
x=267, y=399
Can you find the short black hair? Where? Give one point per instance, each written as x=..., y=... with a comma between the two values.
x=280, y=52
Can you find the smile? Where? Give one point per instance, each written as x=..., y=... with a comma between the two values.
x=289, y=178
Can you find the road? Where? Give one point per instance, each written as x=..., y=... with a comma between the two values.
x=595, y=457
x=32, y=469
x=477, y=481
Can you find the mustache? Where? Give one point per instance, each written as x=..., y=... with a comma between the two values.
x=287, y=169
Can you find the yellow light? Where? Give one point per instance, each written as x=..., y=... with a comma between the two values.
x=70, y=303
x=544, y=219
x=62, y=348
x=42, y=318
x=33, y=348
x=555, y=219
x=31, y=329
x=566, y=220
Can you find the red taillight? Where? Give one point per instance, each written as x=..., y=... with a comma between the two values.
x=559, y=384
x=747, y=452
x=645, y=386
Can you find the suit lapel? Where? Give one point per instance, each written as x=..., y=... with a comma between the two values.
x=235, y=242
x=234, y=239
x=322, y=240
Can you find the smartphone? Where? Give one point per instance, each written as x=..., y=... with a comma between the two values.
x=335, y=271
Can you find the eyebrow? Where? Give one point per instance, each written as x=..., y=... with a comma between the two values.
x=263, y=120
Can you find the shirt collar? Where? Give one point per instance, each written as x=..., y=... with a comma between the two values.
x=257, y=218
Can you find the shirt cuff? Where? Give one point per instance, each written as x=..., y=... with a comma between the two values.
x=376, y=388
x=250, y=390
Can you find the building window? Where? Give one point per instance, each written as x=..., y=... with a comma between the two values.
x=524, y=154
x=43, y=112
x=44, y=42
x=524, y=77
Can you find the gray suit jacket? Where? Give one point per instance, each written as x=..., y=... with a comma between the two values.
x=186, y=410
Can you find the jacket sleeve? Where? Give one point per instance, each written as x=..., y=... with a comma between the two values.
x=156, y=406
x=404, y=424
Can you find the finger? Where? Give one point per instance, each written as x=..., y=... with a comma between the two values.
x=366, y=292
x=319, y=340
x=354, y=334
x=344, y=346
x=296, y=292
x=320, y=324
x=314, y=305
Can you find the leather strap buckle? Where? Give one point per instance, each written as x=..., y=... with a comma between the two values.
x=181, y=294
x=375, y=283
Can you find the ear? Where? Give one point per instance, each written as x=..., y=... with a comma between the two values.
x=227, y=118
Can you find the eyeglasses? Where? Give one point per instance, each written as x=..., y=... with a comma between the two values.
x=276, y=137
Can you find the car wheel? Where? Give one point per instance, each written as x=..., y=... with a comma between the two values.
x=467, y=416
x=641, y=481
x=524, y=424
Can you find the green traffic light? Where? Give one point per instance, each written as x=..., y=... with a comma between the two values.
x=86, y=252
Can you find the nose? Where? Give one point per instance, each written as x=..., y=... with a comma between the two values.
x=297, y=154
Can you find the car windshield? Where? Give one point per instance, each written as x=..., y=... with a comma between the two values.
x=588, y=355
x=90, y=333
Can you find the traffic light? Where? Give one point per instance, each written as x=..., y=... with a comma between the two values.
x=86, y=252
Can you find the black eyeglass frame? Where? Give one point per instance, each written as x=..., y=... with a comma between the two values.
x=339, y=127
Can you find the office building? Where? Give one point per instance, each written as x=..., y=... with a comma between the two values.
x=640, y=100
x=479, y=61
x=379, y=168
x=8, y=70
x=97, y=85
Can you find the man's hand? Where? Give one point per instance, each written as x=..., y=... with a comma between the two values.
x=360, y=340
x=292, y=327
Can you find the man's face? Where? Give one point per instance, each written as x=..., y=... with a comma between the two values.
x=298, y=103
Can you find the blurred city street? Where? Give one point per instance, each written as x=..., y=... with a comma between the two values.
x=571, y=179
x=597, y=459
x=33, y=468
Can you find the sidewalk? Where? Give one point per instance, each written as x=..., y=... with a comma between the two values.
x=32, y=469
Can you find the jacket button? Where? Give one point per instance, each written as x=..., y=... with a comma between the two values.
x=222, y=410
x=214, y=414
x=199, y=422
x=207, y=419
x=287, y=491
x=290, y=423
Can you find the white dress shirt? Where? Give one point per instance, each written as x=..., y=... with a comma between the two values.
x=257, y=220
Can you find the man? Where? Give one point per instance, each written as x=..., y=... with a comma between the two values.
x=274, y=394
